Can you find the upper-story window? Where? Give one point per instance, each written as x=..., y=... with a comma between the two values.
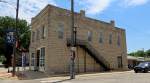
x=110, y=38
x=37, y=34
x=101, y=37
x=43, y=35
x=89, y=36
x=118, y=40
x=33, y=36
x=61, y=31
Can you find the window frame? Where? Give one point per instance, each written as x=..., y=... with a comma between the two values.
x=37, y=34
x=43, y=35
x=61, y=31
x=101, y=37
x=110, y=38
x=42, y=57
x=119, y=61
x=118, y=41
x=33, y=59
x=33, y=36
x=89, y=35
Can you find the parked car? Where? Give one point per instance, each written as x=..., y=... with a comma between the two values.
x=142, y=67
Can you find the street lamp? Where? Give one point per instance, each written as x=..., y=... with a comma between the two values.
x=15, y=35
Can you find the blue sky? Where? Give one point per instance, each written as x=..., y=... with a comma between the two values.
x=132, y=15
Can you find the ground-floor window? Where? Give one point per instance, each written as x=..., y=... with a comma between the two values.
x=33, y=59
x=119, y=61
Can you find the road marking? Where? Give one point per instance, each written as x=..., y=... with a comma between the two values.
x=52, y=81
x=49, y=81
x=66, y=82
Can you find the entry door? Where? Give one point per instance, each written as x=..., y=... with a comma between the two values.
x=42, y=60
x=37, y=60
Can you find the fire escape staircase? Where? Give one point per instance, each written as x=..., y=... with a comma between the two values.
x=92, y=52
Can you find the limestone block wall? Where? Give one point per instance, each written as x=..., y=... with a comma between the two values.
x=57, y=54
x=85, y=63
x=84, y=24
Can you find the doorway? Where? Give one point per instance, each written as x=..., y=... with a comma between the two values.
x=119, y=61
x=42, y=60
x=37, y=60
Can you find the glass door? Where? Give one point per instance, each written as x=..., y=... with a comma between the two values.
x=42, y=60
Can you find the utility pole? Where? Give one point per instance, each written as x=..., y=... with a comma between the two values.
x=73, y=43
x=15, y=35
x=16, y=38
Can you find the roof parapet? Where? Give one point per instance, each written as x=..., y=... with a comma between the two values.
x=82, y=13
x=112, y=22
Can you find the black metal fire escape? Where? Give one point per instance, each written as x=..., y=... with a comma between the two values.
x=92, y=52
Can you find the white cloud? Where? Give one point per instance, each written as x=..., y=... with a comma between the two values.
x=93, y=7
x=28, y=8
x=134, y=2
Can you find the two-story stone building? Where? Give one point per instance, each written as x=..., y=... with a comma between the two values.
x=100, y=45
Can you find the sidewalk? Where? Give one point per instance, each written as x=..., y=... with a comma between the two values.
x=4, y=75
x=40, y=76
x=32, y=75
x=63, y=79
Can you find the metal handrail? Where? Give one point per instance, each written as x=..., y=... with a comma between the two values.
x=88, y=46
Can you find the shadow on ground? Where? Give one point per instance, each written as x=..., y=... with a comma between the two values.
x=31, y=75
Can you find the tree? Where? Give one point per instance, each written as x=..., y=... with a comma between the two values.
x=147, y=53
x=23, y=32
x=140, y=53
x=131, y=54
